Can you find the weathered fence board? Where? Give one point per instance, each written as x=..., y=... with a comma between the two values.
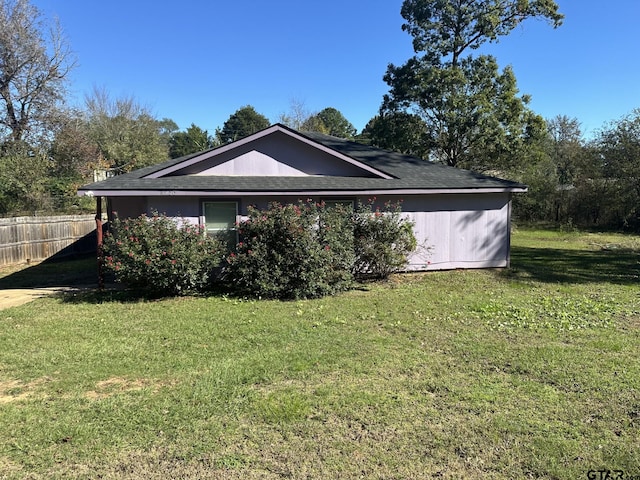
x=30, y=239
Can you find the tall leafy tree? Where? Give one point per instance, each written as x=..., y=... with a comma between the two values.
x=128, y=136
x=167, y=129
x=564, y=149
x=396, y=131
x=330, y=121
x=193, y=139
x=567, y=146
x=449, y=28
x=35, y=61
x=244, y=122
x=73, y=154
x=596, y=198
x=23, y=178
x=618, y=147
x=472, y=111
x=72, y=159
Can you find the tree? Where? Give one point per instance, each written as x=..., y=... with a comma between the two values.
x=35, y=61
x=244, y=122
x=595, y=198
x=296, y=116
x=396, y=131
x=167, y=128
x=73, y=158
x=618, y=147
x=539, y=173
x=566, y=149
x=127, y=134
x=471, y=110
x=23, y=175
x=330, y=121
x=73, y=154
x=567, y=146
x=193, y=140
x=447, y=28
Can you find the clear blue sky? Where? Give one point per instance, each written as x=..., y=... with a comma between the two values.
x=198, y=61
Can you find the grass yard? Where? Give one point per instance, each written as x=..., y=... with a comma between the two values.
x=531, y=372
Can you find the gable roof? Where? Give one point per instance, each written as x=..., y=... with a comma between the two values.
x=382, y=172
x=179, y=164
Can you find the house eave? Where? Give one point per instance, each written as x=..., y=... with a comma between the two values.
x=306, y=192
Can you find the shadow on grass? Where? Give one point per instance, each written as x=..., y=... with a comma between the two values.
x=551, y=265
x=79, y=271
x=620, y=266
x=110, y=294
x=78, y=279
x=114, y=292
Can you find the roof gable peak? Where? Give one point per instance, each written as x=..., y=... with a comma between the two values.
x=322, y=159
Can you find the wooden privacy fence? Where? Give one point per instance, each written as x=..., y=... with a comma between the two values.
x=32, y=239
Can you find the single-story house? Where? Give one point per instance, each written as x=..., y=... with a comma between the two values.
x=461, y=216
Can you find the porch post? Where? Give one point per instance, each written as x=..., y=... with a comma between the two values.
x=99, y=243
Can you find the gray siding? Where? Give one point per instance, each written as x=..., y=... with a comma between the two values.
x=453, y=231
x=460, y=231
x=125, y=207
x=251, y=164
x=295, y=159
x=460, y=239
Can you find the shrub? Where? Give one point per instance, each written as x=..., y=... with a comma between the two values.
x=293, y=251
x=161, y=255
x=305, y=250
x=382, y=240
x=310, y=250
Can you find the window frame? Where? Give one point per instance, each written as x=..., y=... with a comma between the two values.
x=203, y=216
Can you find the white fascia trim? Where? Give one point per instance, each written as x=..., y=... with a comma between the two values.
x=256, y=136
x=290, y=193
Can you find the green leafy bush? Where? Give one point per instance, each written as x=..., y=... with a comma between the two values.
x=311, y=250
x=382, y=240
x=293, y=251
x=303, y=250
x=162, y=256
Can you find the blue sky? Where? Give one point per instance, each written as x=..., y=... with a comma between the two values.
x=198, y=61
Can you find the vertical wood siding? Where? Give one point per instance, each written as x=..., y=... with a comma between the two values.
x=27, y=239
x=460, y=239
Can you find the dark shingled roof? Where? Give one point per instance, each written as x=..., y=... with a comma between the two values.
x=410, y=173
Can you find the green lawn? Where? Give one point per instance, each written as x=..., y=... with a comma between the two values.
x=531, y=372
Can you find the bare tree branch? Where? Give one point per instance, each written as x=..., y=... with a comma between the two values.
x=35, y=61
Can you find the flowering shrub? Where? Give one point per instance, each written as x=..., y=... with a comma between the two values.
x=293, y=251
x=382, y=240
x=289, y=251
x=311, y=250
x=158, y=255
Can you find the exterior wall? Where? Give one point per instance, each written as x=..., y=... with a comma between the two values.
x=296, y=158
x=453, y=231
x=254, y=163
x=124, y=207
x=460, y=231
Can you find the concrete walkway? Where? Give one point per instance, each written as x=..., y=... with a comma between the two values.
x=15, y=297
